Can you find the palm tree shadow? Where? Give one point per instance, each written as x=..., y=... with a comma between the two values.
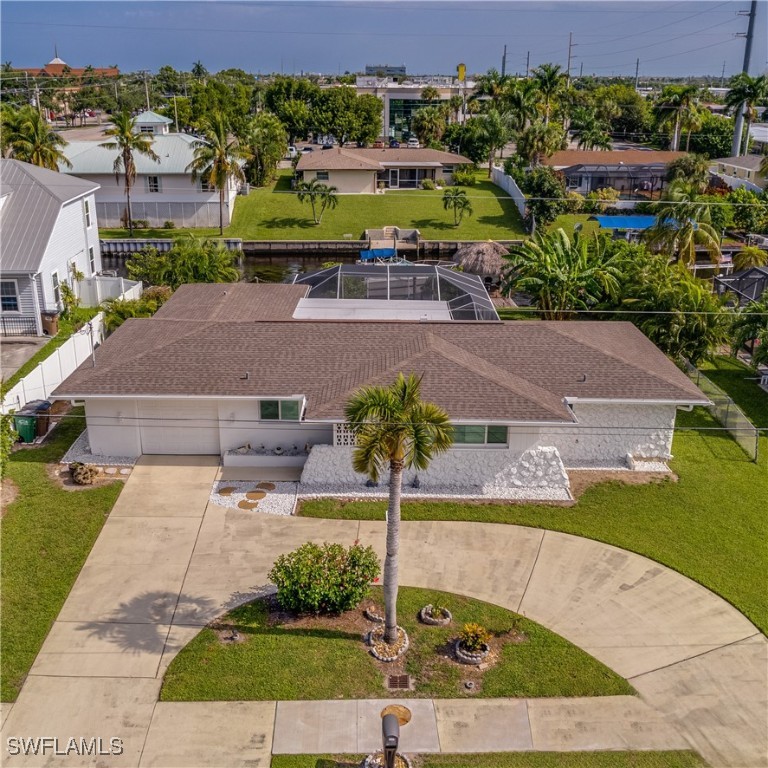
x=433, y=224
x=287, y=222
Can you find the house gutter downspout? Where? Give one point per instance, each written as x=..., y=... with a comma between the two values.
x=36, y=303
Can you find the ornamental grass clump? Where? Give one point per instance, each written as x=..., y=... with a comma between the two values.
x=327, y=578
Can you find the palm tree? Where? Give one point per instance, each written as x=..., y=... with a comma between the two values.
x=745, y=94
x=217, y=159
x=265, y=144
x=126, y=142
x=456, y=200
x=750, y=256
x=31, y=140
x=550, y=82
x=428, y=123
x=491, y=85
x=199, y=72
x=682, y=223
x=316, y=192
x=394, y=427
x=540, y=140
x=561, y=274
x=692, y=119
x=673, y=102
x=590, y=131
x=430, y=93
x=750, y=329
x=521, y=100
x=495, y=130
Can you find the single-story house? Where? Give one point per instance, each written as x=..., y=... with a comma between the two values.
x=629, y=171
x=363, y=171
x=743, y=171
x=163, y=190
x=49, y=231
x=227, y=370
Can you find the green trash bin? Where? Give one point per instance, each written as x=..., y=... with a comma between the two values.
x=26, y=425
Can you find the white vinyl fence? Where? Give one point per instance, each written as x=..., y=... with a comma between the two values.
x=507, y=183
x=38, y=384
x=93, y=290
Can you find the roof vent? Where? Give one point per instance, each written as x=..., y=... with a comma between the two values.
x=245, y=376
x=424, y=319
x=582, y=378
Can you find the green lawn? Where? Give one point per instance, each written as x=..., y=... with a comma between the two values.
x=568, y=221
x=512, y=760
x=274, y=213
x=47, y=534
x=710, y=525
x=288, y=663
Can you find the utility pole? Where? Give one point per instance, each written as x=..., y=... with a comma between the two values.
x=637, y=74
x=739, y=127
x=570, y=49
x=504, y=62
x=146, y=87
x=176, y=112
x=528, y=64
x=581, y=70
x=722, y=76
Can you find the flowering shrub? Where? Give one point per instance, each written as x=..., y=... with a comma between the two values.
x=327, y=578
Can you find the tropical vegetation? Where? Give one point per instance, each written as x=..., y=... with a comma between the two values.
x=395, y=430
x=26, y=136
x=320, y=197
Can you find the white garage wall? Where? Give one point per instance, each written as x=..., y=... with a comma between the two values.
x=113, y=428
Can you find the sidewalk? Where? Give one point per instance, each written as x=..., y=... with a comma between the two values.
x=167, y=562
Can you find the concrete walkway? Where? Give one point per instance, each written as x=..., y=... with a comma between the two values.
x=164, y=566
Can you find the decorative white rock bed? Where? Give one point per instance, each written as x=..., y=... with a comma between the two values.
x=80, y=450
x=281, y=501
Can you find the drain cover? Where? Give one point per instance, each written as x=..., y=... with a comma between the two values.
x=399, y=682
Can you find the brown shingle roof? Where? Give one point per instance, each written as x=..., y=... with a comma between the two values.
x=233, y=301
x=375, y=159
x=570, y=157
x=517, y=371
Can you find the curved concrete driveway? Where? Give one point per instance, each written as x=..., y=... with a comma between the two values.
x=167, y=562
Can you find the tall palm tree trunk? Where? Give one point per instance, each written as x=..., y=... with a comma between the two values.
x=393, y=546
x=221, y=211
x=128, y=202
x=747, y=123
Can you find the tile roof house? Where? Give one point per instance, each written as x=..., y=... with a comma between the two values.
x=223, y=367
x=48, y=223
x=163, y=190
x=627, y=170
x=361, y=171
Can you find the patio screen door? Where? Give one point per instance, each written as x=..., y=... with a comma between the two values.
x=394, y=178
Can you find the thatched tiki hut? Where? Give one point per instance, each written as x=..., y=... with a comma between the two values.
x=484, y=259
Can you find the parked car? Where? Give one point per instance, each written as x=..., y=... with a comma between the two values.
x=394, y=144
x=307, y=149
x=328, y=146
x=292, y=152
x=379, y=145
x=413, y=143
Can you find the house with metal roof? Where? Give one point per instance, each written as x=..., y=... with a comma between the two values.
x=364, y=171
x=49, y=232
x=163, y=190
x=151, y=122
x=234, y=370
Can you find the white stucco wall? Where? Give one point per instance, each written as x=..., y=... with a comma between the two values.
x=112, y=427
x=348, y=182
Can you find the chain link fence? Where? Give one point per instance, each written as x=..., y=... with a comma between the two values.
x=725, y=410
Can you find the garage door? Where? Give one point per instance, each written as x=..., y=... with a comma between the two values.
x=172, y=427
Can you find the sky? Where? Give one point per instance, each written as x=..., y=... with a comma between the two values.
x=675, y=39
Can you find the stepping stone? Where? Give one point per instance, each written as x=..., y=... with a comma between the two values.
x=255, y=495
x=110, y=471
x=247, y=504
x=228, y=491
x=266, y=486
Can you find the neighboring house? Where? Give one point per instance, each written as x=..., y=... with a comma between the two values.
x=151, y=122
x=48, y=223
x=758, y=133
x=629, y=171
x=747, y=286
x=741, y=171
x=163, y=191
x=362, y=171
x=226, y=369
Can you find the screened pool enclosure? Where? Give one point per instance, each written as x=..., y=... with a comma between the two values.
x=394, y=292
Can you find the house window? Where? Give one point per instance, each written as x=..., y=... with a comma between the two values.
x=153, y=183
x=279, y=410
x=448, y=169
x=479, y=434
x=322, y=175
x=146, y=129
x=56, y=288
x=206, y=187
x=87, y=213
x=92, y=259
x=9, y=296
